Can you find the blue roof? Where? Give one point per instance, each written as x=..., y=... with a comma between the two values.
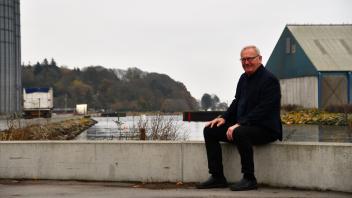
x=37, y=89
x=306, y=50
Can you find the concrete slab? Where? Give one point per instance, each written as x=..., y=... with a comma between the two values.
x=77, y=189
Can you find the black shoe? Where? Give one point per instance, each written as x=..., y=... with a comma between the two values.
x=245, y=184
x=213, y=182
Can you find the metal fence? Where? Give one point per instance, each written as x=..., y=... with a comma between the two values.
x=95, y=133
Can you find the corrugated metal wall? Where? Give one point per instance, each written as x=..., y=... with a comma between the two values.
x=300, y=91
x=10, y=57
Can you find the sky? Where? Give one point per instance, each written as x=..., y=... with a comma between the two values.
x=196, y=42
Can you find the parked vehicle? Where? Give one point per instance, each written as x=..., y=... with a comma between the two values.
x=38, y=102
x=81, y=109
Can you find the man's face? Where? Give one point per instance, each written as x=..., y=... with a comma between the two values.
x=250, y=61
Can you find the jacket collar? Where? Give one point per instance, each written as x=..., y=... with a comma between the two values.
x=259, y=70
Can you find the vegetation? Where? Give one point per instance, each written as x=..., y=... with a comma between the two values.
x=314, y=116
x=160, y=127
x=65, y=130
x=109, y=89
x=212, y=102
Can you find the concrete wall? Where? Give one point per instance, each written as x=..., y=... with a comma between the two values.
x=325, y=166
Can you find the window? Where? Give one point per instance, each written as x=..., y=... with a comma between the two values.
x=288, y=45
x=293, y=48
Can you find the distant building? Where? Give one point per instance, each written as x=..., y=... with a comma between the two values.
x=10, y=57
x=314, y=65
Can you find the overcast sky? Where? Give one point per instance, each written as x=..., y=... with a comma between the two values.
x=196, y=42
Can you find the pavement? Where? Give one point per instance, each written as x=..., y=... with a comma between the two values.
x=81, y=189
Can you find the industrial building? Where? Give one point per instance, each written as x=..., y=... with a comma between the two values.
x=10, y=57
x=314, y=65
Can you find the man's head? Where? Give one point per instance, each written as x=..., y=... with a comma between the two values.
x=251, y=59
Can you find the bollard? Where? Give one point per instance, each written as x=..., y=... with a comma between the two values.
x=142, y=134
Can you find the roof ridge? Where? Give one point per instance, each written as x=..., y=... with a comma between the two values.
x=330, y=24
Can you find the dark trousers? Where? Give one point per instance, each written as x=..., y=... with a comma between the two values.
x=244, y=138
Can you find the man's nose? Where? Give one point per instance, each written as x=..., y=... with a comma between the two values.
x=246, y=62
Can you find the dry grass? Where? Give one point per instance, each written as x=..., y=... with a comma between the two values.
x=65, y=130
x=161, y=127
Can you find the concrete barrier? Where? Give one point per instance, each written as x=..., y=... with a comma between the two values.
x=324, y=166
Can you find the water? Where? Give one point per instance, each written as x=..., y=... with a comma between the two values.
x=317, y=133
x=106, y=128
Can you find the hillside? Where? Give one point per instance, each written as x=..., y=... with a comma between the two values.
x=109, y=89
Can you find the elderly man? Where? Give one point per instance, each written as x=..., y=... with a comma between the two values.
x=253, y=118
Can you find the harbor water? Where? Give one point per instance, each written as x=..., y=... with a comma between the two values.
x=120, y=127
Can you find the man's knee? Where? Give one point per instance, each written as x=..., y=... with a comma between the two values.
x=239, y=134
x=207, y=132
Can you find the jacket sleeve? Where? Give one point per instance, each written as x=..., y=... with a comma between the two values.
x=230, y=114
x=269, y=102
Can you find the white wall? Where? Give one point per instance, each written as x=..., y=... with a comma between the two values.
x=300, y=91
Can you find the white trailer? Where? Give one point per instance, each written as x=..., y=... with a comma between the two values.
x=38, y=102
x=81, y=109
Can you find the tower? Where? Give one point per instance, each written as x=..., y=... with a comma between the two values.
x=10, y=57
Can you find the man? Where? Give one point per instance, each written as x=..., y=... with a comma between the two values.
x=253, y=118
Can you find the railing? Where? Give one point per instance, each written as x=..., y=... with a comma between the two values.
x=112, y=133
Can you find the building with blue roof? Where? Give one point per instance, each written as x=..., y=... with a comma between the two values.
x=314, y=65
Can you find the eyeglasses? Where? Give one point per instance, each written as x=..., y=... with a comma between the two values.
x=249, y=59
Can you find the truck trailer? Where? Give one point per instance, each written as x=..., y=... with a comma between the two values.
x=38, y=102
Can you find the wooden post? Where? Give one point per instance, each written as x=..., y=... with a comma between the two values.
x=142, y=134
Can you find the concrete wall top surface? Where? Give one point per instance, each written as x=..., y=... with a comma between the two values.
x=165, y=142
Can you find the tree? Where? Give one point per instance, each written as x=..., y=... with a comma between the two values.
x=52, y=62
x=206, y=101
x=45, y=62
x=222, y=106
x=214, y=102
x=100, y=88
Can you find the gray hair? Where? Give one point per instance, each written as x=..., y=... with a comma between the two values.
x=253, y=47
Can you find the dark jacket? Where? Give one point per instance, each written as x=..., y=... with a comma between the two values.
x=257, y=102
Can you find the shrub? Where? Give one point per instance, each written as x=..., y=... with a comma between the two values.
x=347, y=108
x=161, y=127
x=291, y=107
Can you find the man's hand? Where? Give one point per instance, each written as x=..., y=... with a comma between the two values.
x=217, y=121
x=230, y=130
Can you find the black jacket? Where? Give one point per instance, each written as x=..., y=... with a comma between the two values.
x=257, y=102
